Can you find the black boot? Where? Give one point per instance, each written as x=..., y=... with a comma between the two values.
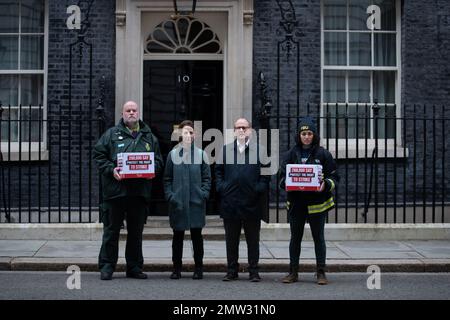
x=198, y=273
x=176, y=274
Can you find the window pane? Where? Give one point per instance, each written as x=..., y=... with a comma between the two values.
x=32, y=12
x=8, y=52
x=205, y=36
x=335, y=114
x=10, y=126
x=212, y=47
x=27, y=124
x=335, y=48
x=360, y=49
x=351, y=118
x=386, y=122
x=31, y=89
x=364, y=122
x=196, y=28
x=9, y=16
x=385, y=49
x=162, y=40
x=359, y=86
x=32, y=53
x=8, y=89
x=384, y=86
x=335, y=15
x=388, y=14
x=333, y=86
x=356, y=122
x=169, y=27
x=155, y=47
x=358, y=14
x=183, y=26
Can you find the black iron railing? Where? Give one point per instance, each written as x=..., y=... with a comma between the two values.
x=47, y=172
x=393, y=169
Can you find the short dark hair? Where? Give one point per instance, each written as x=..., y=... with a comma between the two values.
x=185, y=123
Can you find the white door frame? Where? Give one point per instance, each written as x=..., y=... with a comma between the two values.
x=237, y=54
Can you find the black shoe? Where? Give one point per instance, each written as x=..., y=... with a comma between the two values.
x=254, y=277
x=105, y=275
x=230, y=277
x=198, y=274
x=175, y=275
x=137, y=275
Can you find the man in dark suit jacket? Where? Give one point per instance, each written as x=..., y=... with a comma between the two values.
x=240, y=186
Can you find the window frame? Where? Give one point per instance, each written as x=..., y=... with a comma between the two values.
x=350, y=147
x=26, y=151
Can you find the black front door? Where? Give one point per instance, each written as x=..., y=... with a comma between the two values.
x=175, y=91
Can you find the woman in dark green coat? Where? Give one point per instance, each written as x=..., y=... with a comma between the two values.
x=187, y=182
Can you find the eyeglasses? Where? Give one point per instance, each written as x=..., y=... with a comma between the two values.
x=243, y=128
x=304, y=134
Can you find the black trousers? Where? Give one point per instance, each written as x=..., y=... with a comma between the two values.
x=134, y=209
x=298, y=216
x=177, y=248
x=233, y=229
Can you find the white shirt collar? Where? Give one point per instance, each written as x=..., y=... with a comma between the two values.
x=242, y=147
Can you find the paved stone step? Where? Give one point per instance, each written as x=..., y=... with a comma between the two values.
x=158, y=228
x=164, y=233
x=158, y=222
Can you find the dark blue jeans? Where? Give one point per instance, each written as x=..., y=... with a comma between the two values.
x=297, y=218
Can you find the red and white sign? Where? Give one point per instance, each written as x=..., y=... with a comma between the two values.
x=136, y=165
x=303, y=177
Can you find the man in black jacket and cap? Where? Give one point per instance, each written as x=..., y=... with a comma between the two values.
x=240, y=185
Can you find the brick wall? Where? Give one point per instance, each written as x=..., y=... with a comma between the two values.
x=71, y=171
x=425, y=80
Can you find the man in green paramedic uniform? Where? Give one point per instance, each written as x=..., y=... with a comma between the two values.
x=124, y=198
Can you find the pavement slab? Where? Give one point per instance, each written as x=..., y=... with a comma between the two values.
x=20, y=245
x=342, y=256
x=67, y=249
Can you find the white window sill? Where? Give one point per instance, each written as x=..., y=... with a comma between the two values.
x=362, y=152
x=25, y=156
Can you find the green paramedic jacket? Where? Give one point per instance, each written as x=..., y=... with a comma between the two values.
x=119, y=139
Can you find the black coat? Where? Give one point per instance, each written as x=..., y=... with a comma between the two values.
x=316, y=202
x=240, y=184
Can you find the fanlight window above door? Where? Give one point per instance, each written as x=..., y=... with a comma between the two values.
x=183, y=35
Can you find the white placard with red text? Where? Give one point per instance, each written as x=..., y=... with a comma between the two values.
x=136, y=164
x=303, y=177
